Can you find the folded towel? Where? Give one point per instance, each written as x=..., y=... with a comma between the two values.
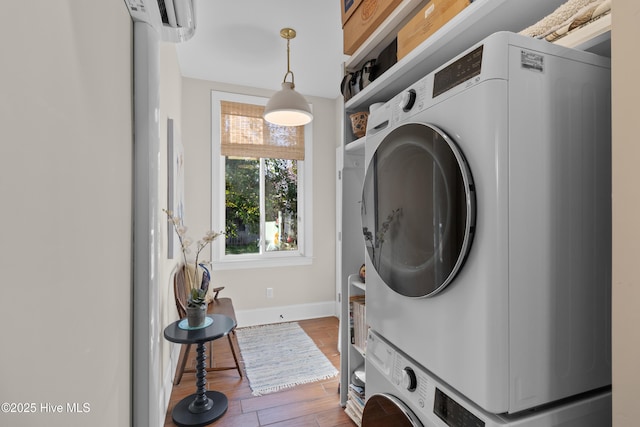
x=586, y=15
x=557, y=18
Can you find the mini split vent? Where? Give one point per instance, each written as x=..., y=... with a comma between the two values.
x=163, y=12
x=173, y=19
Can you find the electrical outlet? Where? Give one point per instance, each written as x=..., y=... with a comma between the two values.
x=269, y=292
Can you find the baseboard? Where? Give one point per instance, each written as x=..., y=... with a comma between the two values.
x=287, y=313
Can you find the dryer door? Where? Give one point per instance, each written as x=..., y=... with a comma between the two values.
x=418, y=210
x=385, y=410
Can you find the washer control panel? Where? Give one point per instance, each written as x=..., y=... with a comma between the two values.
x=407, y=100
x=416, y=388
x=409, y=379
x=413, y=381
x=452, y=413
x=389, y=371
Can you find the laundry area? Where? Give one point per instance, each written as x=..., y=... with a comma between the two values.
x=476, y=218
x=453, y=241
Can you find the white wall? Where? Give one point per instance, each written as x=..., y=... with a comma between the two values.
x=307, y=287
x=626, y=213
x=170, y=107
x=65, y=208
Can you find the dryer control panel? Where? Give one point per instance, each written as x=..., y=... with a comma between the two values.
x=419, y=96
x=458, y=72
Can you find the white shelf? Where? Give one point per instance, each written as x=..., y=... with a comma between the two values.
x=354, y=280
x=589, y=36
x=359, y=350
x=479, y=20
x=356, y=145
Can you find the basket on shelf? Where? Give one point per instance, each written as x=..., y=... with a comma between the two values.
x=359, y=123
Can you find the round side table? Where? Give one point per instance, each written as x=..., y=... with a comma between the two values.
x=205, y=406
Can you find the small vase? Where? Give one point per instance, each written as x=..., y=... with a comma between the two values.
x=196, y=315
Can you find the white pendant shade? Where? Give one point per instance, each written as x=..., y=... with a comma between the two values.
x=287, y=108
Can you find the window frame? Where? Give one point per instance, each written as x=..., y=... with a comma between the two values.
x=220, y=260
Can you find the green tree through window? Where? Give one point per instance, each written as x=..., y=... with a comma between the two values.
x=251, y=195
x=242, y=205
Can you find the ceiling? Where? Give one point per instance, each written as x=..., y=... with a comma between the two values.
x=238, y=42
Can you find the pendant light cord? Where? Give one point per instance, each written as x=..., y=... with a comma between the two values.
x=293, y=85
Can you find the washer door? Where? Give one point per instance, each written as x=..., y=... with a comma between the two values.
x=418, y=210
x=385, y=410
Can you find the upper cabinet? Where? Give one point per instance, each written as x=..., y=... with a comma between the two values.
x=477, y=21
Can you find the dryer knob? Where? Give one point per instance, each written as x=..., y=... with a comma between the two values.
x=407, y=100
x=409, y=379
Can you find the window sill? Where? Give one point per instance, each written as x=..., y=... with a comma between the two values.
x=281, y=261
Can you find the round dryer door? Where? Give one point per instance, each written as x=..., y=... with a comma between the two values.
x=418, y=210
x=385, y=410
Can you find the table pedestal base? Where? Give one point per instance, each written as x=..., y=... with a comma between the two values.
x=183, y=417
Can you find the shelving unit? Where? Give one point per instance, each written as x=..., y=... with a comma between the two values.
x=355, y=295
x=385, y=33
x=350, y=179
x=479, y=20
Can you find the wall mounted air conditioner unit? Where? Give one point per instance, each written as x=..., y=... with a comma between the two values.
x=174, y=20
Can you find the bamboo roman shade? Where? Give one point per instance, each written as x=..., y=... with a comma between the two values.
x=244, y=133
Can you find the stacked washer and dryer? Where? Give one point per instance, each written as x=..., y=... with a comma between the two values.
x=487, y=220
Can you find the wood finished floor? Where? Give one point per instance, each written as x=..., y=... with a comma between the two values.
x=308, y=405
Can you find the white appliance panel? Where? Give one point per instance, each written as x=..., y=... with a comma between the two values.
x=434, y=404
x=525, y=321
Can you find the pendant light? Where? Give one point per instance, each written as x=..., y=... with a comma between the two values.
x=287, y=107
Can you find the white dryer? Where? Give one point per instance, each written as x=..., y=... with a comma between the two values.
x=487, y=218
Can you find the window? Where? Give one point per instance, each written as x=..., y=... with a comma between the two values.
x=259, y=181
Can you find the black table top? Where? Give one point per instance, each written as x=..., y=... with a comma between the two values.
x=220, y=327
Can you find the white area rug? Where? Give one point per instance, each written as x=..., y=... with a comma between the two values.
x=280, y=356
